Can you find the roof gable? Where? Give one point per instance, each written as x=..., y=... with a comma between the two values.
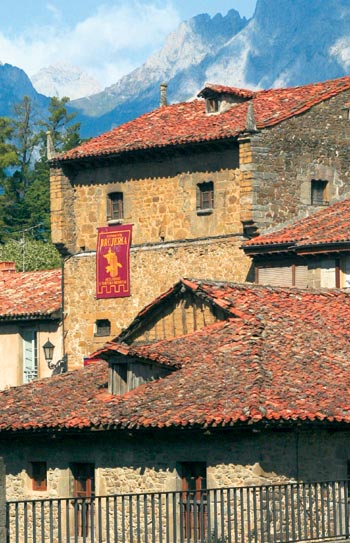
x=188, y=123
x=178, y=311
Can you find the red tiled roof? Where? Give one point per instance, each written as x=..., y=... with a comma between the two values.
x=30, y=294
x=327, y=227
x=285, y=358
x=184, y=123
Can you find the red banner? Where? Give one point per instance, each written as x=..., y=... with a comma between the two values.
x=113, y=261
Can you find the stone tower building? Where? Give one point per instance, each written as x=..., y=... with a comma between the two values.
x=195, y=180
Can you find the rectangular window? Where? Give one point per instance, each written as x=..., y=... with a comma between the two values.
x=102, y=328
x=319, y=194
x=115, y=208
x=39, y=475
x=205, y=196
x=30, y=355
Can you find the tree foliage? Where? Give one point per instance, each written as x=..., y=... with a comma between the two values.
x=30, y=254
x=25, y=173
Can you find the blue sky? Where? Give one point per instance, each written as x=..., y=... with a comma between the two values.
x=105, y=38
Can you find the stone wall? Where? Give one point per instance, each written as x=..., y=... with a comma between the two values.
x=159, y=195
x=145, y=463
x=153, y=270
x=286, y=157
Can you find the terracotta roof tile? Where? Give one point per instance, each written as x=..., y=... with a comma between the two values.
x=30, y=294
x=327, y=227
x=287, y=361
x=188, y=122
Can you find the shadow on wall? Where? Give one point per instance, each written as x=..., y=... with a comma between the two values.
x=162, y=165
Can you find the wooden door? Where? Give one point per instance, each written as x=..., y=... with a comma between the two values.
x=194, y=500
x=83, y=488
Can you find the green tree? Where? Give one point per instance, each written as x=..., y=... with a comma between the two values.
x=30, y=254
x=24, y=179
x=26, y=139
x=9, y=194
x=64, y=134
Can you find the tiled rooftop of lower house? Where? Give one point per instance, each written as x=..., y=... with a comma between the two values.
x=330, y=226
x=281, y=356
x=25, y=295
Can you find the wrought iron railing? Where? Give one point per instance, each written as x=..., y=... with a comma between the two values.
x=256, y=514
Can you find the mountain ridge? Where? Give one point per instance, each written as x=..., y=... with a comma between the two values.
x=274, y=48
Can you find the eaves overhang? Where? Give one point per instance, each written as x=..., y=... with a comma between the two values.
x=31, y=316
x=140, y=152
x=253, y=250
x=335, y=247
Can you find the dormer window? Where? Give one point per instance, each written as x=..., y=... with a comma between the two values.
x=115, y=206
x=127, y=373
x=219, y=98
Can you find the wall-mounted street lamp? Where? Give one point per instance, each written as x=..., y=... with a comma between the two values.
x=58, y=367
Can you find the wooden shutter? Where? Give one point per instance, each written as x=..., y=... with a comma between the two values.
x=30, y=362
x=328, y=273
x=277, y=276
x=84, y=479
x=301, y=276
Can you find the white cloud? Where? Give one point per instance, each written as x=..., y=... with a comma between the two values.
x=107, y=44
x=341, y=51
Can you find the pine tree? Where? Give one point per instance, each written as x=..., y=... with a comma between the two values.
x=9, y=194
x=24, y=179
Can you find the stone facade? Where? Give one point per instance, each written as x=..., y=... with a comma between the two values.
x=260, y=181
x=285, y=158
x=152, y=462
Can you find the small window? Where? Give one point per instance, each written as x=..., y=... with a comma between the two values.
x=319, y=194
x=212, y=105
x=39, y=475
x=102, y=328
x=115, y=208
x=205, y=196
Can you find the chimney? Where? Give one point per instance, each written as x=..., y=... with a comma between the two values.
x=6, y=267
x=50, y=149
x=163, y=94
x=250, y=125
